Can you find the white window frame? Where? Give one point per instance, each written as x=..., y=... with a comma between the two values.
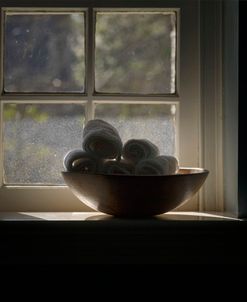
x=193, y=140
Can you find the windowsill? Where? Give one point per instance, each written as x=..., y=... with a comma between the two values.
x=95, y=238
x=97, y=216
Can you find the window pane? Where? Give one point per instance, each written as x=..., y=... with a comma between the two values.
x=135, y=53
x=44, y=53
x=36, y=138
x=156, y=122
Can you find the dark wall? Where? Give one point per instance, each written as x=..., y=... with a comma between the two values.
x=242, y=160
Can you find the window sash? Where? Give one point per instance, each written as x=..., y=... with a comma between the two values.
x=90, y=28
x=90, y=95
x=188, y=96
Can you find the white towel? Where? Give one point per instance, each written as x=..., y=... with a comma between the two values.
x=139, y=149
x=160, y=165
x=117, y=167
x=102, y=139
x=78, y=160
x=173, y=164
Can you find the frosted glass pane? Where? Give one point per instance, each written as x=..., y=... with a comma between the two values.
x=36, y=138
x=156, y=122
x=135, y=53
x=44, y=53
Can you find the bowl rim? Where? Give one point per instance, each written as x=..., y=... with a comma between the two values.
x=195, y=171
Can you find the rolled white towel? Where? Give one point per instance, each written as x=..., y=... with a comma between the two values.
x=102, y=139
x=139, y=149
x=81, y=161
x=153, y=166
x=98, y=124
x=160, y=165
x=173, y=164
x=117, y=167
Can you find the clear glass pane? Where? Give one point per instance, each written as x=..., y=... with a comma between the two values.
x=44, y=53
x=156, y=122
x=135, y=53
x=36, y=138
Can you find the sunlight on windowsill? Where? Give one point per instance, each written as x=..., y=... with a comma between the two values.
x=97, y=216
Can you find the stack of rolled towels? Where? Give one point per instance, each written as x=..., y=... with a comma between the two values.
x=104, y=153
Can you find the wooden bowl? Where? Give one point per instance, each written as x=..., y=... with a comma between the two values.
x=135, y=196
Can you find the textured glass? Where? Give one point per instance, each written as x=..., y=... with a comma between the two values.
x=156, y=122
x=36, y=138
x=135, y=53
x=44, y=53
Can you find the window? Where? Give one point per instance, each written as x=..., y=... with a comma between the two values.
x=134, y=65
